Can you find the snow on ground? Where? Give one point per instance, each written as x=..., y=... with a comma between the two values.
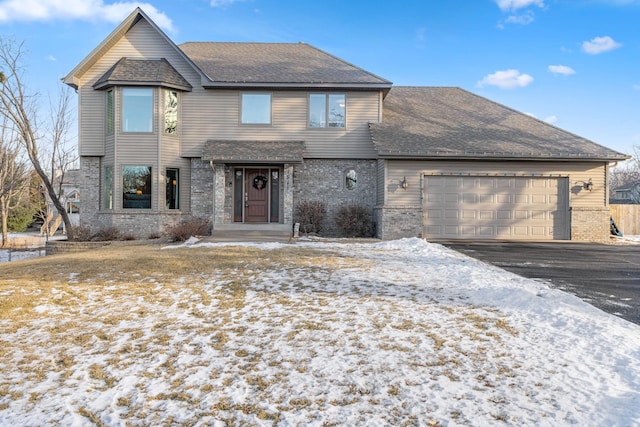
x=390, y=333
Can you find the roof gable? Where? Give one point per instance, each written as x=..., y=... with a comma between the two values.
x=437, y=122
x=73, y=78
x=276, y=64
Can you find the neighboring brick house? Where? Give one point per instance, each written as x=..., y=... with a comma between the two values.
x=627, y=194
x=240, y=133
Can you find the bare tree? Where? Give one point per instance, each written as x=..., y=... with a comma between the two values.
x=14, y=177
x=626, y=173
x=20, y=109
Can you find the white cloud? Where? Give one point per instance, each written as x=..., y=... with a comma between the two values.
x=551, y=119
x=599, y=45
x=511, y=5
x=222, y=3
x=51, y=58
x=561, y=69
x=506, y=79
x=88, y=10
x=524, y=19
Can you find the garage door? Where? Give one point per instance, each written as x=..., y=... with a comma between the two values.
x=482, y=207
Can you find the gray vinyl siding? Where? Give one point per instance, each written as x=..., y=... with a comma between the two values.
x=578, y=173
x=215, y=114
x=142, y=41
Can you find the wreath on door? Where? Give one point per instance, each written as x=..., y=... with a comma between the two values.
x=259, y=182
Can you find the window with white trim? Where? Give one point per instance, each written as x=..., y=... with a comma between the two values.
x=327, y=110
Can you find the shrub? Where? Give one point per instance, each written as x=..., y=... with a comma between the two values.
x=354, y=221
x=155, y=235
x=189, y=227
x=311, y=216
x=79, y=233
x=107, y=234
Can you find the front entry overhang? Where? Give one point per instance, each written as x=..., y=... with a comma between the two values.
x=253, y=152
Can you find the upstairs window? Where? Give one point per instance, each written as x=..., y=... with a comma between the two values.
x=256, y=108
x=109, y=112
x=137, y=110
x=170, y=112
x=327, y=110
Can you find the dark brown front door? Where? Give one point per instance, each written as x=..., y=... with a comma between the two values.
x=256, y=186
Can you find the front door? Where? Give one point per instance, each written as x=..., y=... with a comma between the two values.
x=256, y=203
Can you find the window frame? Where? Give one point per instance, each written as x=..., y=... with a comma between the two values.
x=110, y=112
x=151, y=117
x=176, y=189
x=175, y=111
x=143, y=202
x=325, y=121
x=107, y=193
x=243, y=113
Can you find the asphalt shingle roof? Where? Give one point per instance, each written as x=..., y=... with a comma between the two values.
x=275, y=63
x=154, y=72
x=233, y=151
x=439, y=122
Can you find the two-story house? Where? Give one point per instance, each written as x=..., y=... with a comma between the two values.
x=240, y=133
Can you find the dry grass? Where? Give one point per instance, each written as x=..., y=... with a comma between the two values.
x=107, y=314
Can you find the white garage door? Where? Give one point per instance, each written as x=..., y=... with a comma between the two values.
x=482, y=207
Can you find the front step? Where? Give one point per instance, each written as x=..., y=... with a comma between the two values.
x=251, y=233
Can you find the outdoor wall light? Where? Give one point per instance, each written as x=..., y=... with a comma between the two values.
x=588, y=185
x=404, y=184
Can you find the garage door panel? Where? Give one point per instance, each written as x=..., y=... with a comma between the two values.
x=502, y=214
x=469, y=198
x=496, y=207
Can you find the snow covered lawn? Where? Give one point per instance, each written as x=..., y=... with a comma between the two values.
x=316, y=333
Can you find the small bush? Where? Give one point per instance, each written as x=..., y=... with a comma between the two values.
x=188, y=228
x=354, y=221
x=106, y=234
x=155, y=235
x=311, y=216
x=79, y=233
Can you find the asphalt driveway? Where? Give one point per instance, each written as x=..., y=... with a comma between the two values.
x=606, y=276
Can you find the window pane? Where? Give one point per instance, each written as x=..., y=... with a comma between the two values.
x=109, y=115
x=136, y=187
x=336, y=111
x=275, y=195
x=137, y=110
x=170, y=111
x=256, y=108
x=107, y=202
x=173, y=186
x=351, y=179
x=317, y=110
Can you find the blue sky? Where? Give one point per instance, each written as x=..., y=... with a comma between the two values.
x=572, y=63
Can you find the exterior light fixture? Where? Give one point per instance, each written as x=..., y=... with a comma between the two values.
x=404, y=184
x=588, y=185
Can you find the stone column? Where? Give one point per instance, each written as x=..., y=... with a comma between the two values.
x=218, y=193
x=288, y=194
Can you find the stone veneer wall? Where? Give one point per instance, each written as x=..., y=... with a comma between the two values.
x=590, y=224
x=201, y=189
x=325, y=180
x=396, y=222
x=89, y=187
x=138, y=223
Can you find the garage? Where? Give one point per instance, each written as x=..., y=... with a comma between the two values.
x=495, y=207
